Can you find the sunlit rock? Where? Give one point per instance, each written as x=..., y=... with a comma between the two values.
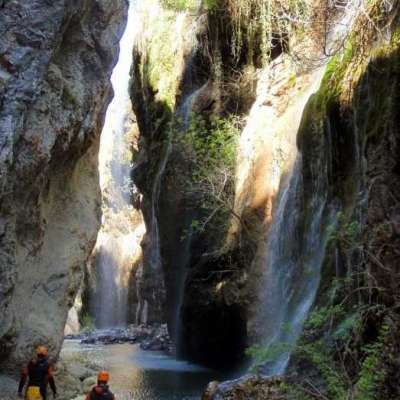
x=117, y=253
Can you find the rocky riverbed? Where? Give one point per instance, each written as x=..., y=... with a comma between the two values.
x=150, y=337
x=135, y=374
x=85, y=353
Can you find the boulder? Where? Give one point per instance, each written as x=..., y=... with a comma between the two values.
x=88, y=383
x=249, y=387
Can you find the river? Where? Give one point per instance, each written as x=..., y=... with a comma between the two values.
x=146, y=375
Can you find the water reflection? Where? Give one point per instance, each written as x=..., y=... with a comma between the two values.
x=147, y=375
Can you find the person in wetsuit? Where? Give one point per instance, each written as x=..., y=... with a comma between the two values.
x=38, y=374
x=101, y=391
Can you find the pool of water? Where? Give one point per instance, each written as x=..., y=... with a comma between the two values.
x=147, y=375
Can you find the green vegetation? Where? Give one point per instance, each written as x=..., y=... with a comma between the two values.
x=264, y=23
x=189, y=5
x=160, y=67
x=320, y=316
x=256, y=26
x=179, y=5
x=346, y=231
x=210, y=4
x=332, y=83
x=214, y=145
x=210, y=146
x=333, y=338
x=327, y=331
x=352, y=55
x=264, y=354
x=86, y=322
x=372, y=375
x=340, y=381
x=350, y=323
x=334, y=345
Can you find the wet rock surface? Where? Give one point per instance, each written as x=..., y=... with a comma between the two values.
x=249, y=387
x=154, y=338
x=74, y=376
x=76, y=372
x=55, y=62
x=8, y=387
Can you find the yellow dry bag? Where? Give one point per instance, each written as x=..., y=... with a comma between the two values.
x=33, y=393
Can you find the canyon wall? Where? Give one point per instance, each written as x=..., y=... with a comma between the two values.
x=217, y=144
x=165, y=42
x=349, y=145
x=336, y=204
x=245, y=177
x=349, y=131
x=55, y=64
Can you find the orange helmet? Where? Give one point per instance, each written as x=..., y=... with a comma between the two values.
x=42, y=351
x=103, y=376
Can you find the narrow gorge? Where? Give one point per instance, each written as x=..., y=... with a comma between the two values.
x=201, y=197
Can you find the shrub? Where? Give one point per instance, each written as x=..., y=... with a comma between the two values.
x=210, y=145
x=87, y=322
x=372, y=375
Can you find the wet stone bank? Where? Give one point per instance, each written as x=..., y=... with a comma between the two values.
x=149, y=337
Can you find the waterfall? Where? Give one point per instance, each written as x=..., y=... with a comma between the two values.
x=297, y=238
x=118, y=240
x=293, y=255
x=181, y=266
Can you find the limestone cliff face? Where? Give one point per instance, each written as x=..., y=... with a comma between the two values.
x=55, y=64
x=216, y=264
x=349, y=143
x=349, y=131
x=204, y=281
x=234, y=278
x=166, y=41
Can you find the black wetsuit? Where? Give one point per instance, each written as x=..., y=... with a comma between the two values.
x=100, y=392
x=38, y=373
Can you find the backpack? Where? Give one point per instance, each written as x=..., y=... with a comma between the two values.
x=101, y=392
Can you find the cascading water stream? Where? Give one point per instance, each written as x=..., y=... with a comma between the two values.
x=181, y=267
x=115, y=247
x=294, y=258
x=293, y=252
x=297, y=239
